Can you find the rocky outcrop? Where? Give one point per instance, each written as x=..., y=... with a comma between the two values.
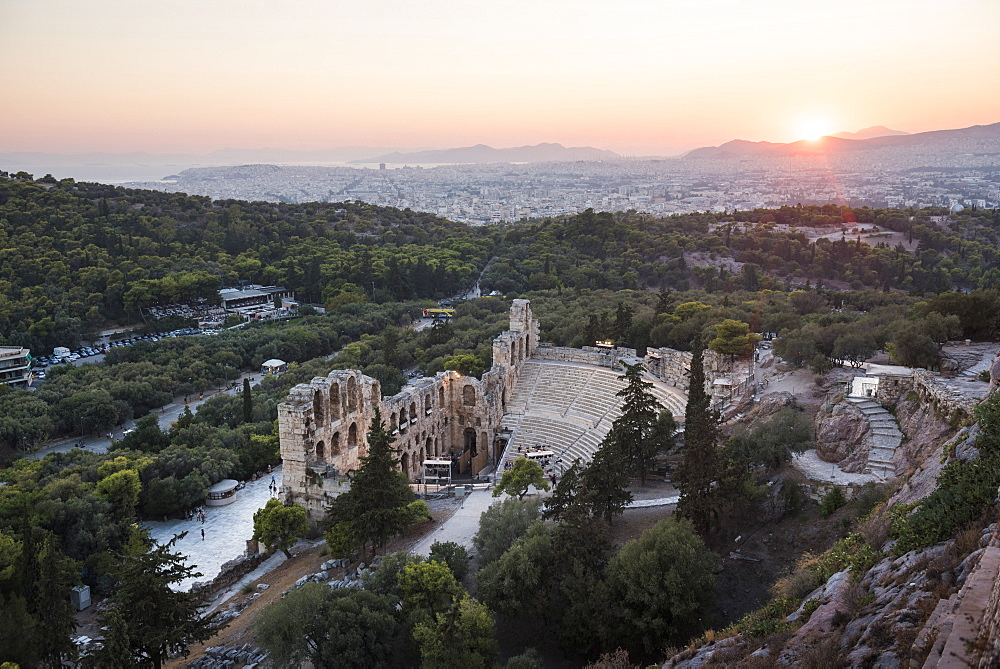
x=934, y=607
x=840, y=437
x=894, y=615
x=229, y=657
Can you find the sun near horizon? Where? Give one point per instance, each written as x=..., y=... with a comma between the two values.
x=813, y=128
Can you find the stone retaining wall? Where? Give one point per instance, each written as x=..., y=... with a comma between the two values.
x=945, y=400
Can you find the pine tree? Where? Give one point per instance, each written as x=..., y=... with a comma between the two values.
x=53, y=610
x=148, y=617
x=633, y=431
x=701, y=465
x=564, y=502
x=375, y=508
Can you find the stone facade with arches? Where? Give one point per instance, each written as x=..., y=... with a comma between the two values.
x=323, y=424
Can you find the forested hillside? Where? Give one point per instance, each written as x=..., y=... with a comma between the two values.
x=602, y=250
x=76, y=255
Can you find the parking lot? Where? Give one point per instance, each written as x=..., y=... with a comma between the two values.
x=79, y=356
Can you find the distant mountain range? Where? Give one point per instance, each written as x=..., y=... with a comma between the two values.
x=480, y=153
x=833, y=145
x=869, y=133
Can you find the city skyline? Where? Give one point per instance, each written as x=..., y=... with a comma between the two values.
x=642, y=78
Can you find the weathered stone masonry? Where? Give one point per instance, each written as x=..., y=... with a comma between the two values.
x=323, y=424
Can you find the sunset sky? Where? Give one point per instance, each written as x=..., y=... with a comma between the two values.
x=635, y=76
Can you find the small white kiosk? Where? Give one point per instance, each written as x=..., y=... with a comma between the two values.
x=274, y=366
x=222, y=493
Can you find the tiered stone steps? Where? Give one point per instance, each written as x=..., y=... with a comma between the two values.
x=885, y=437
x=569, y=409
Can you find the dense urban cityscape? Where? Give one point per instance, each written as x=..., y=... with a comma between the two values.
x=490, y=193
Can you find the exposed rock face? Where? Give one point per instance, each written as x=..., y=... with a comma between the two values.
x=995, y=374
x=768, y=405
x=919, y=457
x=841, y=437
x=897, y=614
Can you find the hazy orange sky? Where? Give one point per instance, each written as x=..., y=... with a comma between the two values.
x=635, y=76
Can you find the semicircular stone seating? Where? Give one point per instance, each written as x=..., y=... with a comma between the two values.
x=568, y=409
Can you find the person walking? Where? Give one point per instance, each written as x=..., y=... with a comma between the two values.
x=203, y=534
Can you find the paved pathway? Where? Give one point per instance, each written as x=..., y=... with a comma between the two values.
x=815, y=469
x=462, y=525
x=659, y=501
x=227, y=529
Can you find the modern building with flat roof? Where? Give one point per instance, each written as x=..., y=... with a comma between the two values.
x=236, y=298
x=15, y=363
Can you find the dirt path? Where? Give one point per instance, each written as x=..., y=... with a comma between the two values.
x=283, y=577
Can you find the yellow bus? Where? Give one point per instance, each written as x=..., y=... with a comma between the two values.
x=439, y=313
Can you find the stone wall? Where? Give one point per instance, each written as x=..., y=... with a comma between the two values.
x=724, y=379
x=987, y=641
x=588, y=355
x=893, y=387
x=942, y=397
x=323, y=424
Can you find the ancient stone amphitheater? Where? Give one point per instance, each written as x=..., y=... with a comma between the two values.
x=558, y=400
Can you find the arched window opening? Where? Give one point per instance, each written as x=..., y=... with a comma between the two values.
x=470, y=441
x=441, y=396
x=320, y=450
x=405, y=464
x=469, y=396
x=335, y=444
x=335, y=402
x=318, y=407
x=352, y=394
x=413, y=412
x=352, y=435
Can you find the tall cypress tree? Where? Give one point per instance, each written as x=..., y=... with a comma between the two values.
x=247, y=401
x=701, y=464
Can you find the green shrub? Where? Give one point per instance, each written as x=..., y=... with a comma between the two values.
x=964, y=492
x=832, y=501
x=852, y=552
x=418, y=511
x=453, y=555
x=769, y=619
